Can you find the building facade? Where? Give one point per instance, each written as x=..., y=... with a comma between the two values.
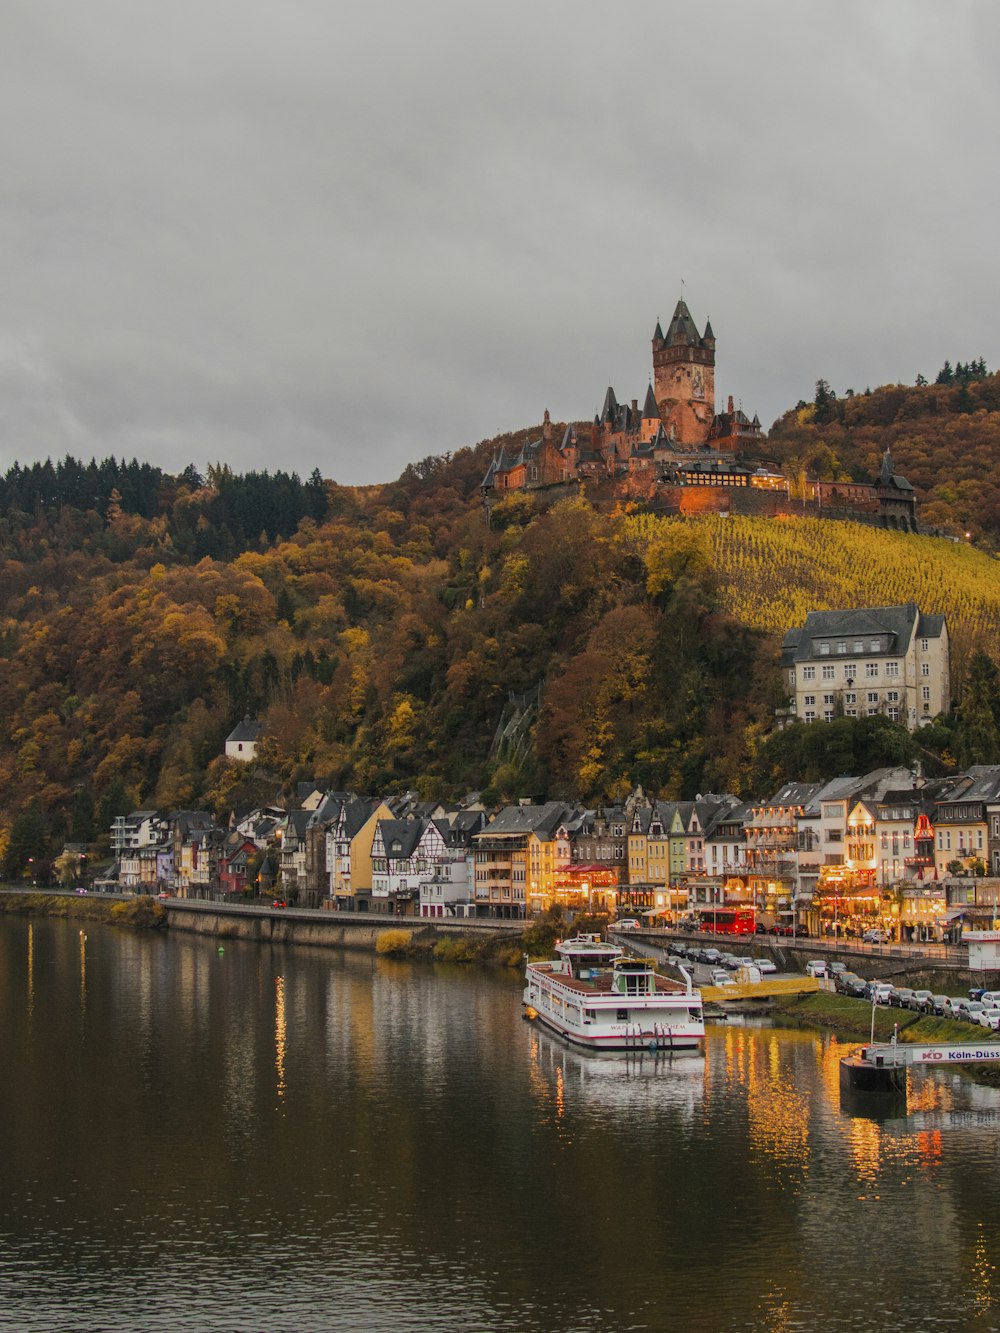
x=890, y=660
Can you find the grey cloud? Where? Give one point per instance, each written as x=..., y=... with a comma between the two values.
x=348, y=236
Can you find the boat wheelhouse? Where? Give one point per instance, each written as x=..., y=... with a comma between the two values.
x=598, y=997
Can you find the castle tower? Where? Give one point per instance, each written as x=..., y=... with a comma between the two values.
x=684, y=376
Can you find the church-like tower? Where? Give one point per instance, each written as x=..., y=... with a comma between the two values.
x=684, y=377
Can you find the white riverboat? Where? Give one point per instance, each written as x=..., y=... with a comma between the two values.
x=600, y=998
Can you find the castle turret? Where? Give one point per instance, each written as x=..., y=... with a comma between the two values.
x=684, y=377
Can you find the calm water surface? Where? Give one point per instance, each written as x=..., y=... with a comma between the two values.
x=265, y=1138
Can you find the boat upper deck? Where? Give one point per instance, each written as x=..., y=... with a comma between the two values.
x=603, y=982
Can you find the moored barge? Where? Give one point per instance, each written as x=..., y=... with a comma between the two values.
x=601, y=999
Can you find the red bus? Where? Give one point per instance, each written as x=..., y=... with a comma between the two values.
x=727, y=920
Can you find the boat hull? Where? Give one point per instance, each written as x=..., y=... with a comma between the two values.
x=668, y=1037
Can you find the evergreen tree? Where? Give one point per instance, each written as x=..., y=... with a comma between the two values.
x=977, y=738
x=945, y=375
x=82, y=820
x=28, y=842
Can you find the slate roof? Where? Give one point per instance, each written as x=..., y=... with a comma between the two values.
x=246, y=731
x=682, y=327
x=540, y=819
x=406, y=832
x=899, y=622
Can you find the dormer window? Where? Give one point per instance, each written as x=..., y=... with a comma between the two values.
x=824, y=650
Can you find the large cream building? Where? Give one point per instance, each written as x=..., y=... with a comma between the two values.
x=887, y=659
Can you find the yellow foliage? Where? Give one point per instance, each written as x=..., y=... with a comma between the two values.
x=773, y=572
x=394, y=941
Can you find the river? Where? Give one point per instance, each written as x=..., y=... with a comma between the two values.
x=262, y=1138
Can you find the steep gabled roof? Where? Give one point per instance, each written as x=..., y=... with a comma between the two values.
x=682, y=327
x=246, y=730
x=406, y=832
x=650, y=411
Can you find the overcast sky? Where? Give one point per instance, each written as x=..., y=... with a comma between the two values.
x=303, y=233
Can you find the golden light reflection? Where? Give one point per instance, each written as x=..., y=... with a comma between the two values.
x=928, y=1094
x=279, y=1033
x=982, y=1273
x=83, y=972
x=560, y=1094
x=31, y=969
x=778, y=1113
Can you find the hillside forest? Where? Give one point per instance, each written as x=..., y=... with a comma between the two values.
x=382, y=633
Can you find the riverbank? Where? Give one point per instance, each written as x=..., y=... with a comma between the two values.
x=142, y=913
x=850, y=1018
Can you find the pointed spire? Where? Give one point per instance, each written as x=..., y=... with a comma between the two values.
x=888, y=471
x=708, y=336
x=610, y=409
x=650, y=411
x=657, y=332
x=682, y=327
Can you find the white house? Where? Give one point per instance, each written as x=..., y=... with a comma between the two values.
x=242, y=741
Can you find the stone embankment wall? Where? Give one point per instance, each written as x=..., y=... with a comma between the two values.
x=328, y=930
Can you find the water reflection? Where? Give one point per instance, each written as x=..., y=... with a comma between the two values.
x=633, y=1085
x=286, y=1139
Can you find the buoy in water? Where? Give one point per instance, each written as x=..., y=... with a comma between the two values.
x=221, y=949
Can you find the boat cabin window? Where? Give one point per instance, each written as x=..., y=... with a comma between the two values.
x=622, y=1015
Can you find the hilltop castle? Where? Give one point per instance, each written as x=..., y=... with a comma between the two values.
x=679, y=455
x=676, y=427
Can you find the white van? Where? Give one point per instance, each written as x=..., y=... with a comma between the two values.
x=881, y=992
x=816, y=967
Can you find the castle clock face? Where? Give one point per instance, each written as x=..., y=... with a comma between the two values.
x=698, y=385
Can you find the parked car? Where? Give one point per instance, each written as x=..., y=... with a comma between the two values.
x=834, y=967
x=951, y=1006
x=745, y=960
x=710, y=956
x=920, y=1000
x=627, y=923
x=816, y=967
x=780, y=929
x=901, y=996
x=765, y=965
x=937, y=1004
x=874, y=937
x=880, y=992
x=854, y=985
x=990, y=1018
x=972, y=1010
x=279, y=903
x=729, y=961
x=720, y=977
x=991, y=998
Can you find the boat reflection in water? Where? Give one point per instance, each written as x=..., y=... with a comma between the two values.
x=639, y=1081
